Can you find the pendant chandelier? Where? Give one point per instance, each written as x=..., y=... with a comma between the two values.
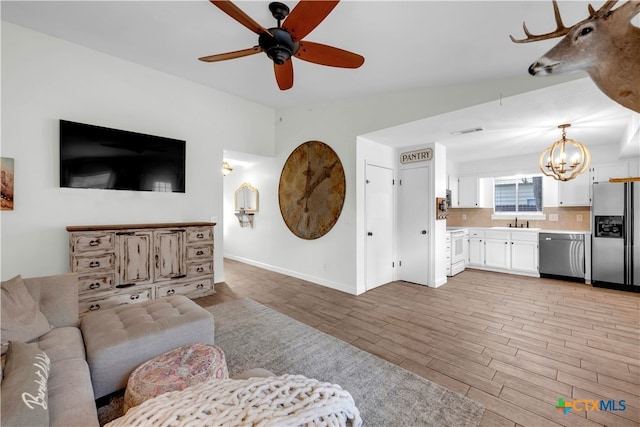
x=564, y=159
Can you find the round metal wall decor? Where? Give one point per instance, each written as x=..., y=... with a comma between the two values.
x=311, y=190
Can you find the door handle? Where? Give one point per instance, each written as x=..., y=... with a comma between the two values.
x=369, y=234
x=423, y=232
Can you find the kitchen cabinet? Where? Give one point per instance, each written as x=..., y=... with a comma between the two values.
x=471, y=192
x=576, y=192
x=524, y=251
x=603, y=172
x=497, y=253
x=476, y=248
x=504, y=250
x=468, y=192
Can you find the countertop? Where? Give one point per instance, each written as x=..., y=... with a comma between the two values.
x=537, y=230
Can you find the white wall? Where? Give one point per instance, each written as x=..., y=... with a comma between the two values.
x=334, y=259
x=45, y=79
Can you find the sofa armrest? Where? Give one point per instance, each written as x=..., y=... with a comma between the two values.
x=57, y=296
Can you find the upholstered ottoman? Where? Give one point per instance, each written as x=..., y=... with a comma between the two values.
x=175, y=370
x=122, y=338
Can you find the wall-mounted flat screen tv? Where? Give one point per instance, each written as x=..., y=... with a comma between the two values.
x=99, y=157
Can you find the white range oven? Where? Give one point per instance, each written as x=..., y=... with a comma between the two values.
x=459, y=249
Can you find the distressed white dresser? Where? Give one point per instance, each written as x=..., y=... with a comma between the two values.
x=123, y=264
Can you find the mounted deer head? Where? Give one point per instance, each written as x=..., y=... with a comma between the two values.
x=606, y=45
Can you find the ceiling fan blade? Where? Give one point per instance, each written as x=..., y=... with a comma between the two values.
x=284, y=75
x=236, y=13
x=328, y=55
x=231, y=55
x=306, y=16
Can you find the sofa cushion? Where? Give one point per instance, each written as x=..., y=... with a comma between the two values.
x=57, y=297
x=24, y=386
x=22, y=319
x=63, y=344
x=71, y=399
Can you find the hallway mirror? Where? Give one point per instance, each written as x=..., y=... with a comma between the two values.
x=246, y=198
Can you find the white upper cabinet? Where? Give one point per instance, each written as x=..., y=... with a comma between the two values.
x=575, y=192
x=472, y=192
x=602, y=173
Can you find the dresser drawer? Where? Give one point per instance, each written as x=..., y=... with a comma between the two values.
x=111, y=300
x=84, y=264
x=199, y=234
x=191, y=289
x=93, y=241
x=199, y=251
x=199, y=268
x=96, y=282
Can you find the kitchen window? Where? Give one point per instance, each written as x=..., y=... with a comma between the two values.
x=521, y=194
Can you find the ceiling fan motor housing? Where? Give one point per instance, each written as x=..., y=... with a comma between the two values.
x=280, y=47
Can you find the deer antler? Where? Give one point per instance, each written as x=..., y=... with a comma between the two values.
x=604, y=9
x=560, y=31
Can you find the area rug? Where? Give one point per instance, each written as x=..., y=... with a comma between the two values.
x=255, y=336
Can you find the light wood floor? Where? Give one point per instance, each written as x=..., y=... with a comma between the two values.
x=515, y=344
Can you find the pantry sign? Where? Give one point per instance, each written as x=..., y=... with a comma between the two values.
x=416, y=156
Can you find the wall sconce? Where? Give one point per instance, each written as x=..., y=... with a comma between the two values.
x=558, y=165
x=226, y=169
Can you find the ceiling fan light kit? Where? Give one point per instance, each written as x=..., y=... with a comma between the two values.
x=284, y=41
x=278, y=45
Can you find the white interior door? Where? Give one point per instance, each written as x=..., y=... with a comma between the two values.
x=414, y=225
x=379, y=221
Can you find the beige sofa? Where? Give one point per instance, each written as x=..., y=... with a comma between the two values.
x=49, y=352
x=70, y=393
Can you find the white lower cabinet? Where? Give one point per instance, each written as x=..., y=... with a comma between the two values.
x=505, y=251
x=476, y=248
x=524, y=252
x=497, y=252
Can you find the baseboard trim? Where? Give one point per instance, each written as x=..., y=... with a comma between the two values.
x=298, y=275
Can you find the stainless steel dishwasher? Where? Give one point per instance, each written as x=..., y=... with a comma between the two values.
x=562, y=256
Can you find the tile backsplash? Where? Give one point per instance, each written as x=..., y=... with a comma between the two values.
x=569, y=219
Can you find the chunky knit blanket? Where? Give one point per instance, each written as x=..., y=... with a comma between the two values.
x=287, y=400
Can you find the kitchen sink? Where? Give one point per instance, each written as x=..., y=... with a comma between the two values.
x=516, y=229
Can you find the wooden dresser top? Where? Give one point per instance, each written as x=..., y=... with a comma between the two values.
x=72, y=228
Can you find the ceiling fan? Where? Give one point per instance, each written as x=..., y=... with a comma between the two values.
x=286, y=40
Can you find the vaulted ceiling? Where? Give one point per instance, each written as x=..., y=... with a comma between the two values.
x=406, y=45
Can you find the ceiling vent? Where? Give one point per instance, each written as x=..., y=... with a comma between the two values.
x=466, y=131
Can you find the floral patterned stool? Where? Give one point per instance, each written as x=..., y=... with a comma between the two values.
x=175, y=370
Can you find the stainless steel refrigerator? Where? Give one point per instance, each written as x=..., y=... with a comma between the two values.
x=615, y=252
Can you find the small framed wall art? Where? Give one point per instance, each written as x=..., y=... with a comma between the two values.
x=6, y=190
